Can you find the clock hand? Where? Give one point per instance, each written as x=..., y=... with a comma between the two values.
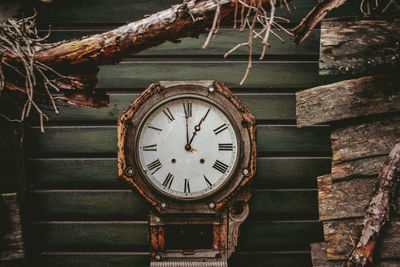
x=197, y=127
x=187, y=146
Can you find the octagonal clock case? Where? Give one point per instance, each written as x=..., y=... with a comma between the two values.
x=188, y=148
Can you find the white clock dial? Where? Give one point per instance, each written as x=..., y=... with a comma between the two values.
x=187, y=147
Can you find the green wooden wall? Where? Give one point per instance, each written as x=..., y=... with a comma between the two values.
x=80, y=214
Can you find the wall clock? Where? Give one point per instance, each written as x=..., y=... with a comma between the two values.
x=189, y=149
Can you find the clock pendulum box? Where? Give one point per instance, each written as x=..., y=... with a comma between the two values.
x=187, y=229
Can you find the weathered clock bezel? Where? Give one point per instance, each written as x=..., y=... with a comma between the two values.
x=242, y=121
x=211, y=102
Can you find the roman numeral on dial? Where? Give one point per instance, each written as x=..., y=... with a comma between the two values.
x=225, y=147
x=155, y=165
x=220, y=166
x=150, y=148
x=155, y=128
x=207, y=181
x=220, y=129
x=187, y=187
x=169, y=115
x=168, y=180
x=187, y=107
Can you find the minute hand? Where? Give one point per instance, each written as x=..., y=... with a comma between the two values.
x=197, y=127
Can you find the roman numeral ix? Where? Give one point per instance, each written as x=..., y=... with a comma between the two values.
x=220, y=129
x=168, y=113
x=155, y=165
x=168, y=180
x=220, y=166
x=225, y=147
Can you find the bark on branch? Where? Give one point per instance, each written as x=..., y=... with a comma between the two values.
x=315, y=16
x=378, y=210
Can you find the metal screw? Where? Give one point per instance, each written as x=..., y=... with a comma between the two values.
x=163, y=205
x=158, y=257
x=246, y=172
x=129, y=171
x=211, y=205
x=211, y=89
x=157, y=219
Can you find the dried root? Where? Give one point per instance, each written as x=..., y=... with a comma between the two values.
x=251, y=15
x=19, y=38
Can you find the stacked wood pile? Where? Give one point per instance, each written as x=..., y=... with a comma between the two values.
x=365, y=126
x=11, y=243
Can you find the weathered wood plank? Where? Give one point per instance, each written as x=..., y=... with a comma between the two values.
x=103, y=139
x=12, y=245
x=121, y=11
x=365, y=167
x=123, y=236
x=347, y=99
x=263, y=106
x=101, y=173
x=340, y=236
x=264, y=74
x=360, y=140
x=126, y=205
x=319, y=259
x=140, y=259
x=344, y=48
x=344, y=199
x=227, y=38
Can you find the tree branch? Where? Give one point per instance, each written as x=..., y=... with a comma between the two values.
x=378, y=210
x=314, y=17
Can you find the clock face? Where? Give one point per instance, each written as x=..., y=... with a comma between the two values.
x=187, y=147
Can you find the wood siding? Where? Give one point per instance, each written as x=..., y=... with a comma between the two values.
x=82, y=215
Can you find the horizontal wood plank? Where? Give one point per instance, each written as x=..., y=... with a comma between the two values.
x=132, y=236
x=263, y=106
x=344, y=50
x=137, y=259
x=126, y=205
x=122, y=11
x=101, y=173
x=103, y=139
x=347, y=99
x=344, y=199
x=340, y=236
x=365, y=139
x=227, y=38
x=365, y=167
x=264, y=74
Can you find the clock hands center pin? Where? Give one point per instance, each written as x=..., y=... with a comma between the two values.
x=196, y=129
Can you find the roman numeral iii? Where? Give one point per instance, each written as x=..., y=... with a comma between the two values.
x=155, y=165
x=225, y=147
x=220, y=129
x=220, y=166
x=168, y=180
x=168, y=113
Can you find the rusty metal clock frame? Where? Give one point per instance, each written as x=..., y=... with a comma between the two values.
x=224, y=209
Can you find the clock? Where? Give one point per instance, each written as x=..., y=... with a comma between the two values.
x=188, y=148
